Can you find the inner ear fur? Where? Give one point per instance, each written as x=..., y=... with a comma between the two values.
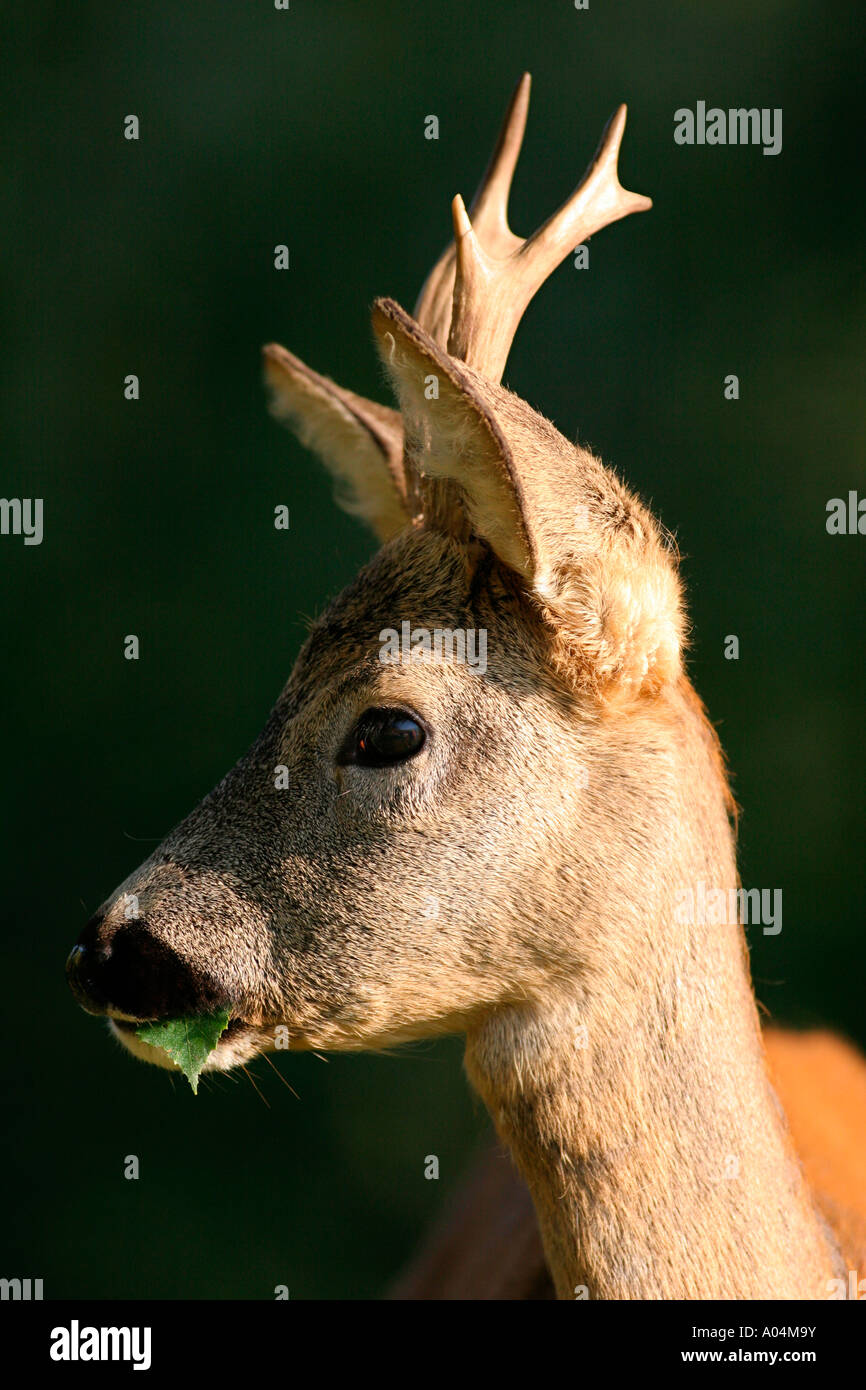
x=359, y=441
x=590, y=555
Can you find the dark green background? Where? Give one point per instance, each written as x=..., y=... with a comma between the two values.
x=156, y=257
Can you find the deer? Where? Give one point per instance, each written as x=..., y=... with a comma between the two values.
x=654, y=1141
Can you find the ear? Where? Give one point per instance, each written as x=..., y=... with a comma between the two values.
x=359, y=441
x=587, y=551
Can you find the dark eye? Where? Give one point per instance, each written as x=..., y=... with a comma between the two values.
x=382, y=737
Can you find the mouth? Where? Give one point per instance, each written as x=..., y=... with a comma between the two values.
x=238, y=1043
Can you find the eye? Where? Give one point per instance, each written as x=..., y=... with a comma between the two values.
x=382, y=737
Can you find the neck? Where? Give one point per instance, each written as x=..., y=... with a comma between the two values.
x=654, y=1148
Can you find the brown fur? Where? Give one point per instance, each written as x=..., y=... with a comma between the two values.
x=487, y=1244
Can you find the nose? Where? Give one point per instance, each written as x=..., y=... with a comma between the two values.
x=128, y=970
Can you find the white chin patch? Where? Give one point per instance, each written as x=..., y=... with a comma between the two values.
x=240, y=1047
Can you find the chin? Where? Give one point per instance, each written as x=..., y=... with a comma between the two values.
x=239, y=1043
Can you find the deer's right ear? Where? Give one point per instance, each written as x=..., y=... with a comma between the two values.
x=359, y=441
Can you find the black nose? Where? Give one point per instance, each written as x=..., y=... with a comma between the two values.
x=82, y=981
x=130, y=971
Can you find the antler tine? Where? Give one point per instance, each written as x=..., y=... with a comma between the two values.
x=491, y=291
x=489, y=208
x=598, y=200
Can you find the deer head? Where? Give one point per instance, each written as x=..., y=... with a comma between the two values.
x=395, y=854
x=418, y=844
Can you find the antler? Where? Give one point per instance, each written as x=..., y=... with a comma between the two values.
x=476, y=295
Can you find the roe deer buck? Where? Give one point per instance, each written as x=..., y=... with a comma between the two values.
x=555, y=805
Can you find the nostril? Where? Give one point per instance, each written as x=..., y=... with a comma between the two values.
x=83, y=978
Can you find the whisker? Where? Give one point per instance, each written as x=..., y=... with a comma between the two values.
x=280, y=1075
x=254, y=1086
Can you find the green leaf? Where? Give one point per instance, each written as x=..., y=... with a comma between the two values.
x=188, y=1041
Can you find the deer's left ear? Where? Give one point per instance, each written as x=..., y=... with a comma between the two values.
x=586, y=549
x=359, y=441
